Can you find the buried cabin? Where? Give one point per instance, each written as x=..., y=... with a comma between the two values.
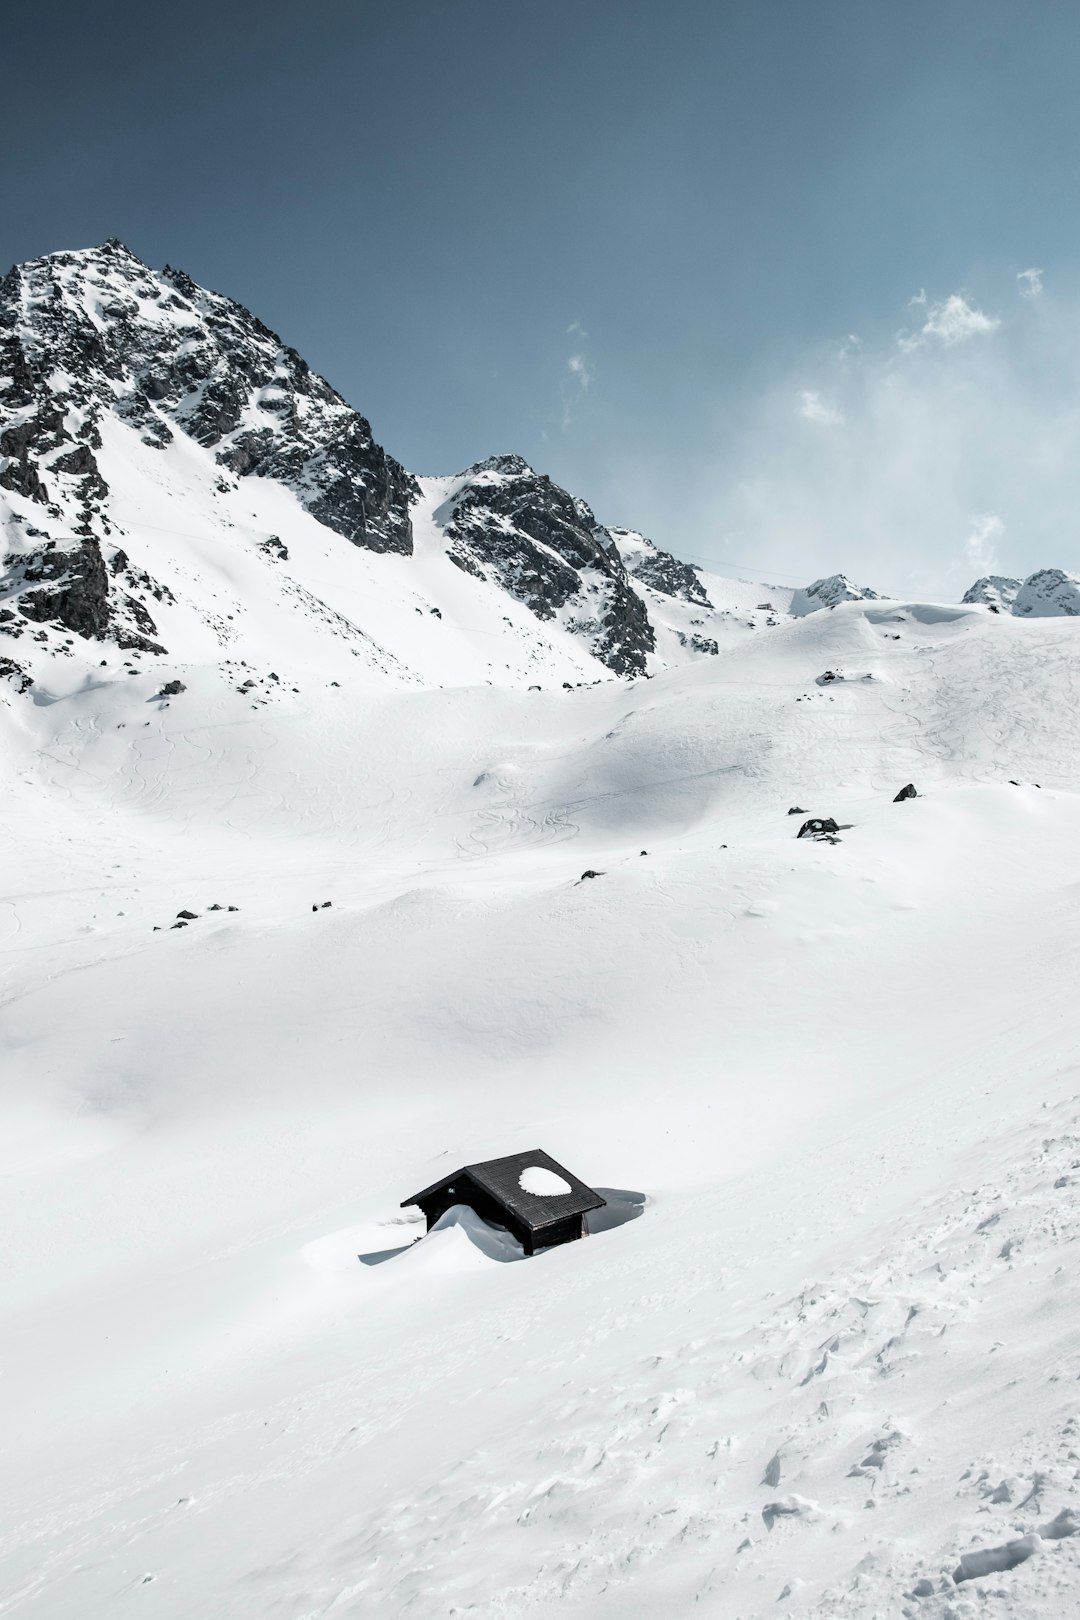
x=538, y=1201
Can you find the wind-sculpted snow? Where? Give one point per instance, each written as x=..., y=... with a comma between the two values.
x=827, y=1373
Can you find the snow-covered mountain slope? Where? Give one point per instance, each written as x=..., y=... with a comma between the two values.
x=831, y=1366
x=1049, y=592
x=178, y=488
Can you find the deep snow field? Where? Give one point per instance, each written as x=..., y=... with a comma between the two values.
x=838, y=1353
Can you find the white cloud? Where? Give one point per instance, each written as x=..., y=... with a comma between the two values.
x=581, y=371
x=577, y=381
x=814, y=409
x=980, y=547
x=949, y=322
x=1031, y=283
x=955, y=459
x=575, y=329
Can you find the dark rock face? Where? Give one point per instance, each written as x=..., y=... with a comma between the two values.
x=907, y=792
x=514, y=526
x=70, y=587
x=659, y=569
x=165, y=356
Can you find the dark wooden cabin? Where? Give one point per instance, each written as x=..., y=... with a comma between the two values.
x=494, y=1190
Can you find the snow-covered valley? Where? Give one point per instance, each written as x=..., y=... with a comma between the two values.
x=843, y=1075
x=832, y=1368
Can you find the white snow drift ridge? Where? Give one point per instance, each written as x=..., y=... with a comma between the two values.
x=322, y=899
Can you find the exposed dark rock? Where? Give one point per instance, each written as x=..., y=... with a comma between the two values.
x=818, y=827
x=659, y=569
x=78, y=593
x=204, y=365
x=545, y=547
x=188, y=916
x=589, y=874
x=907, y=792
x=173, y=689
x=13, y=672
x=796, y=810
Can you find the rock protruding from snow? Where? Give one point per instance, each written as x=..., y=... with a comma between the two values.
x=513, y=526
x=97, y=331
x=659, y=569
x=1049, y=593
x=995, y=591
x=826, y=593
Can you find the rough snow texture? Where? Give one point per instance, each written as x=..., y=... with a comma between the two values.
x=832, y=1368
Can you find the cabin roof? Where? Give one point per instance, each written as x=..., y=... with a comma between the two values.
x=501, y=1179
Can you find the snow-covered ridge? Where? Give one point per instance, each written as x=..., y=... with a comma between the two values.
x=178, y=490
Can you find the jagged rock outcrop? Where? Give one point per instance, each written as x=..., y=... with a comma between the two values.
x=828, y=592
x=1047, y=594
x=94, y=331
x=72, y=587
x=659, y=569
x=996, y=591
x=509, y=524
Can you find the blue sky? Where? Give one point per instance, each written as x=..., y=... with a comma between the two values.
x=666, y=251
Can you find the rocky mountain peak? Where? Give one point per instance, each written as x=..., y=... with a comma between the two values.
x=828, y=592
x=99, y=331
x=995, y=591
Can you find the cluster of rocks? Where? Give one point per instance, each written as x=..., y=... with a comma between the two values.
x=183, y=918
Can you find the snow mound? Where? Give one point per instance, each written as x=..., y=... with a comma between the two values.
x=1049, y=593
x=461, y=1241
x=996, y=591
x=826, y=593
x=543, y=1183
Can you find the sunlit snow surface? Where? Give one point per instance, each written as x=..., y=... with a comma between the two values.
x=840, y=1349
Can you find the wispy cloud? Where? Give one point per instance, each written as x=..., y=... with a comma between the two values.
x=814, y=409
x=1031, y=283
x=951, y=321
x=575, y=329
x=980, y=547
x=577, y=380
x=915, y=467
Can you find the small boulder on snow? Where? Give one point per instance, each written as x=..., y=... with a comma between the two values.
x=1049, y=593
x=907, y=792
x=818, y=827
x=826, y=593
